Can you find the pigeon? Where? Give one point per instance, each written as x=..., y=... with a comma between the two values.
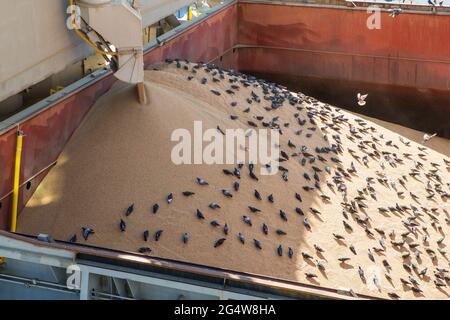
x=253, y=176
x=73, y=239
x=170, y=198
x=280, y=250
x=130, y=210
x=144, y=250
x=371, y=255
x=427, y=137
x=202, y=182
x=257, y=195
x=306, y=223
x=247, y=220
x=320, y=265
x=395, y=12
x=158, y=234
x=188, y=193
x=226, y=229
x=215, y=223
x=257, y=244
x=122, y=226
x=338, y=237
x=214, y=205
x=87, y=232
x=146, y=235
x=155, y=208
x=253, y=209
x=228, y=172
x=227, y=193
x=236, y=186
x=361, y=273
x=290, y=253
x=318, y=248
x=362, y=99
x=200, y=215
x=185, y=237
x=280, y=232
x=219, y=242
x=310, y=275
x=265, y=228
x=270, y=198
x=306, y=255
x=283, y=215
x=241, y=238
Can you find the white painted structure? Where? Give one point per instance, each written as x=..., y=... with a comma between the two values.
x=126, y=36
x=39, y=270
x=36, y=43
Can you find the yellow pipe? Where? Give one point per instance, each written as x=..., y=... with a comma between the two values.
x=189, y=17
x=15, y=203
x=81, y=35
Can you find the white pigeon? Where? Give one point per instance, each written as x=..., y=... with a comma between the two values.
x=427, y=137
x=362, y=99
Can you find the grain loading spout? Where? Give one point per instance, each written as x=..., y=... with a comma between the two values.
x=114, y=29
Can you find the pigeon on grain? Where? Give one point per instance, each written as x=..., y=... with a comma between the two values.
x=219, y=242
x=202, y=182
x=158, y=235
x=87, y=232
x=130, y=210
x=122, y=225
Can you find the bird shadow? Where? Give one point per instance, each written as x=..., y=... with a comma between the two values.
x=346, y=266
x=313, y=281
x=340, y=242
x=443, y=291
x=324, y=274
x=321, y=256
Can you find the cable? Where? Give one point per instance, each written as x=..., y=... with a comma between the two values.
x=81, y=35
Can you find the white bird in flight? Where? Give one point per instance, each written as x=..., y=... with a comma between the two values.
x=427, y=137
x=362, y=99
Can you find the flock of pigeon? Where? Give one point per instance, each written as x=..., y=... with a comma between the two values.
x=326, y=176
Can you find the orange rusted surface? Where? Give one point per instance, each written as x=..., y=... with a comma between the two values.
x=409, y=50
x=212, y=40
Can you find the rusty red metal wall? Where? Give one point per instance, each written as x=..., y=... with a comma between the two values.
x=410, y=50
x=45, y=136
x=212, y=40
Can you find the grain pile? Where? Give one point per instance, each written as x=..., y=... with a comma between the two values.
x=359, y=207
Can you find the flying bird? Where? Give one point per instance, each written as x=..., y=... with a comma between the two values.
x=362, y=99
x=427, y=137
